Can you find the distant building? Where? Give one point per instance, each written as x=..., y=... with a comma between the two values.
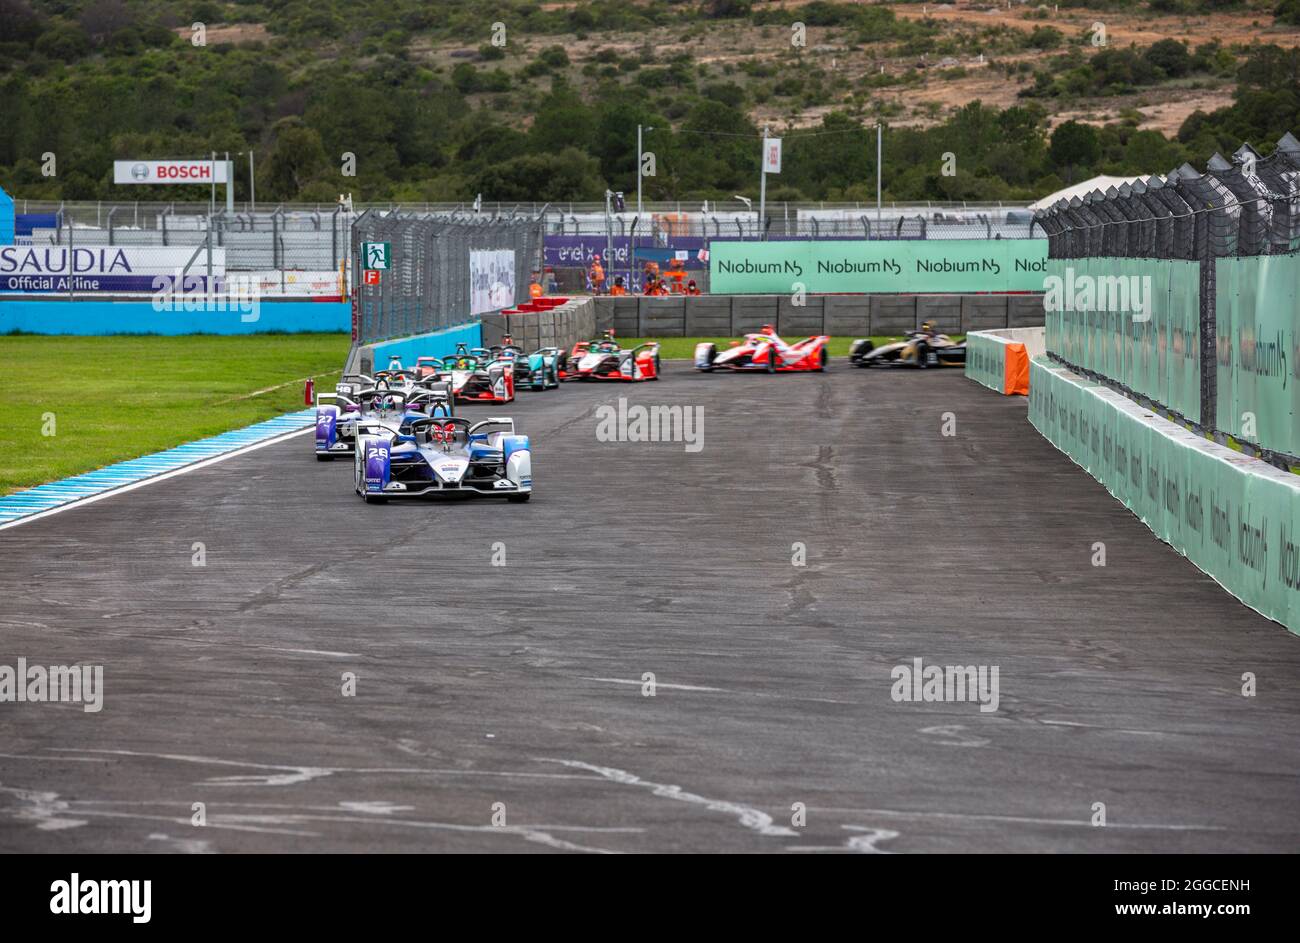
x=1082, y=189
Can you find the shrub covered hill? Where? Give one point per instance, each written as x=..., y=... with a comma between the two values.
x=540, y=100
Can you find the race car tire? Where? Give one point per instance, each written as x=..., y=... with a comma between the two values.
x=375, y=498
x=518, y=498
x=657, y=368
x=771, y=360
x=822, y=358
x=922, y=352
x=320, y=457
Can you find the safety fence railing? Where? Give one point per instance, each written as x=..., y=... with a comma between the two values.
x=1183, y=292
x=442, y=270
x=665, y=229
x=310, y=235
x=252, y=242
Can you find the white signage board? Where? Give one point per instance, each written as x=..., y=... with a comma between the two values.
x=170, y=171
x=772, y=156
x=491, y=280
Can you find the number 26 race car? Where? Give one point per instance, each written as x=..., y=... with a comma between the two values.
x=436, y=455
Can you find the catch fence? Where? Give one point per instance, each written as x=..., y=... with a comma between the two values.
x=1192, y=285
x=444, y=270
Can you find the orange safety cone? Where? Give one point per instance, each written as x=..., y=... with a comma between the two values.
x=309, y=392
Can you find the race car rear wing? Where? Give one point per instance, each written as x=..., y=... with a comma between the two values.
x=333, y=399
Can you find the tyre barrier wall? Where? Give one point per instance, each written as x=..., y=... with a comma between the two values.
x=837, y=315
x=1235, y=517
x=548, y=322
x=1000, y=359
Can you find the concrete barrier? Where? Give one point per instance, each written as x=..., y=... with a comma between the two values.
x=750, y=312
x=893, y=314
x=663, y=316
x=984, y=312
x=708, y=316
x=847, y=315
x=1025, y=310
x=837, y=315
x=1000, y=359
x=560, y=326
x=944, y=311
x=800, y=320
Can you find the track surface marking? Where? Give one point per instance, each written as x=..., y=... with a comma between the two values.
x=522, y=684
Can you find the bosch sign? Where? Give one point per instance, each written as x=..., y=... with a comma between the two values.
x=170, y=171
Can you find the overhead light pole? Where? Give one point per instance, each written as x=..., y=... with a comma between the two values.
x=640, y=165
x=879, y=164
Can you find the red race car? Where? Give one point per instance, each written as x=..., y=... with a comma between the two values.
x=765, y=351
x=603, y=359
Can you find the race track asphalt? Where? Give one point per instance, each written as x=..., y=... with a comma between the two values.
x=517, y=690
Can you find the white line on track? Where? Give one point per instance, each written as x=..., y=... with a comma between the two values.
x=1017, y=819
x=203, y=463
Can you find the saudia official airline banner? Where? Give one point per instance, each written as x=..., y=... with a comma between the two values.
x=883, y=265
x=40, y=269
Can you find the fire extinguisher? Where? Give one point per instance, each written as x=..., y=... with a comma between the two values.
x=309, y=392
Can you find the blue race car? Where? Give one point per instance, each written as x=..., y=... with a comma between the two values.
x=437, y=455
x=340, y=418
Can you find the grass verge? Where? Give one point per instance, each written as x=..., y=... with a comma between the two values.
x=108, y=399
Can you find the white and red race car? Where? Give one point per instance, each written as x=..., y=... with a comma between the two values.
x=767, y=352
x=603, y=359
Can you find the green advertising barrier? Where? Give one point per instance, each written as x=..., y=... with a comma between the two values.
x=1236, y=518
x=913, y=266
x=1258, y=358
x=1134, y=321
x=986, y=359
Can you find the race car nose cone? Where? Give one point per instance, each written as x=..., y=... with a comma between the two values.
x=450, y=472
